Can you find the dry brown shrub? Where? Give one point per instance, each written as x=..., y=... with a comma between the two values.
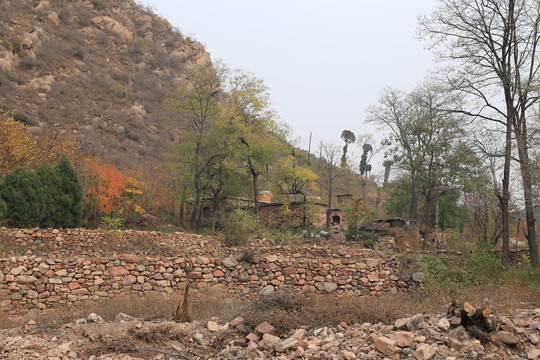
x=407, y=238
x=290, y=311
x=214, y=303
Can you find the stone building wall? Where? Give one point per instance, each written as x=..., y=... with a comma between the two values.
x=273, y=217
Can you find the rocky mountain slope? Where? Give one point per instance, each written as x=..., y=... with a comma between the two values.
x=95, y=69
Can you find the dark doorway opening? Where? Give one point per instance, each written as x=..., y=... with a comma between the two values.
x=206, y=212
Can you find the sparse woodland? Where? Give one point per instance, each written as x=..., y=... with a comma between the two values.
x=156, y=131
x=111, y=118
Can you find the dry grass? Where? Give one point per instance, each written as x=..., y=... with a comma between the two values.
x=287, y=312
x=152, y=307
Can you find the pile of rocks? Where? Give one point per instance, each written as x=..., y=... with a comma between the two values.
x=419, y=337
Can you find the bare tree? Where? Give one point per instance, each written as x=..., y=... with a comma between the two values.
x=492, y=45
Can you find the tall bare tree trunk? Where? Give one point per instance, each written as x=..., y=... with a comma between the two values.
x=528, y=194
x=413, y=211
x=505, y=198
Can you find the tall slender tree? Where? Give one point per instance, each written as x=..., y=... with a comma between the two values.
x=349, y=138
x=492, y=46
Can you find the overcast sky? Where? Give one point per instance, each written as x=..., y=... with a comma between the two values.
x=324, y=61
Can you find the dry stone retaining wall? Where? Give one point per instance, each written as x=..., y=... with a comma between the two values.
x=79, y=277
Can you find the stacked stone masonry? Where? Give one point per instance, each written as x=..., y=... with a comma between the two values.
x=62, y=268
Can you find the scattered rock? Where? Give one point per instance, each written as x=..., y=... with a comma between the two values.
x=385, y=345
x=424, y=351
x=199, y=338
x=415, y=322
x=121, y=317
x=265, y=328
x=212, y=326
x=94, y=318
x=418, y=277
x=403, y=338
x=444, y=324
x=506, y=337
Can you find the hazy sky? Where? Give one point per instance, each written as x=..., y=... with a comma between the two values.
x=324, y=61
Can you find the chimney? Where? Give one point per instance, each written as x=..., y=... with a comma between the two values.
x=265, y=196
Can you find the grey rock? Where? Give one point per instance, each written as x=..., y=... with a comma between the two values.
x=286, y=344
x=121, y=317
x=406, y=277
x=94, y=318
x=457, y=332
x=199, y=338
x=415, y=322
x=230, y=262
x=506, y=337
x=178, y=273
x=326, y=286
x=20, y=235
x=267, y=290
x=418, y=277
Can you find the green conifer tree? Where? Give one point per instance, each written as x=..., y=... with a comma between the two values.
x=23, y=195
x=50, y=183
x=3, y=210
x=70, y=202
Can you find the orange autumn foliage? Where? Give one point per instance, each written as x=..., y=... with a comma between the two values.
x=108, y=188
x=111, y=189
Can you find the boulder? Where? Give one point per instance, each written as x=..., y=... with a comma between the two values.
x=265, y=328
x=385, y=345
x=419, y=277
x=326, y=286
x=129, y=258
x=506, y=337
x=424, y=351
x=267, y=290
x=230, y=262
x=286, y=344
x=269, y=342
x=403, y=338
x=415, y=322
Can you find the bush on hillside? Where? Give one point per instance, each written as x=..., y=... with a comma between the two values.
x=240, y=224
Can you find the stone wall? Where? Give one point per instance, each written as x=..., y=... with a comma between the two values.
x=71, y=273
x=273, y=216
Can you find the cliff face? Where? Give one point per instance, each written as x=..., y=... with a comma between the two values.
x=96, y=70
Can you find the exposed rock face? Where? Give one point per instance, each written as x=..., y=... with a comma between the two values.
x=98, y=71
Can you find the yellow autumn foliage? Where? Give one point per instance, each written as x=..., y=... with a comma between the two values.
x=19, y=147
